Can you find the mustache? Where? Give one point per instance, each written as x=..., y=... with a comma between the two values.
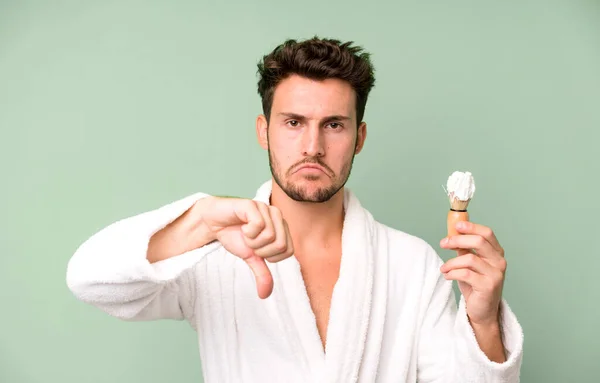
x=312, y=160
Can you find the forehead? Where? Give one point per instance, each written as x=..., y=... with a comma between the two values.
x=314, y=98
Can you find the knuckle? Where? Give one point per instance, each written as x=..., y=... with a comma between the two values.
x=470, y=259
x=487, y=232
x=269, y=234
x=260, y=224
x=252, y=206
x=479, y=241
x=502, y=265
x=274, y=210
x=499, y=279
x=280, y=246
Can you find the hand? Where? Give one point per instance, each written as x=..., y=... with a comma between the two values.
x=480, y=276
x=251, y=230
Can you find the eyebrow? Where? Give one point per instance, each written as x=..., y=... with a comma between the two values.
x=300, y=117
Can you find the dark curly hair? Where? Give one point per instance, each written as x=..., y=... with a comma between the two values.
x=317, y=59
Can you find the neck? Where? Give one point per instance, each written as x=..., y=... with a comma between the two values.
x=311, y=224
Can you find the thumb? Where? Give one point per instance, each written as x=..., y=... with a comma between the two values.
x=264, y=279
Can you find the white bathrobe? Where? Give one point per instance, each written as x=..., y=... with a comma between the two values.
x=393, y=318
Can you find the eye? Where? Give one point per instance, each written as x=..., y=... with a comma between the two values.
x=335, y=125
x=293, y=123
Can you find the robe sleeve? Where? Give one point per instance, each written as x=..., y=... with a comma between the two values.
x=110, y=270
x=448, y=348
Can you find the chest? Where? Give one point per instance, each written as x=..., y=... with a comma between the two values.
x=320, y=274
x=237, y=328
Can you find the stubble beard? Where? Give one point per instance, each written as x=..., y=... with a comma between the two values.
x=300, y=194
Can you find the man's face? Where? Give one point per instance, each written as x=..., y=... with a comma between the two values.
x=312, y=137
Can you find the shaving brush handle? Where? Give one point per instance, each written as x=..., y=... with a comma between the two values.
x=453, y=218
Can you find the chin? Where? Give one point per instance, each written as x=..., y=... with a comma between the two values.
x=311, y=189
x=311, y=183
x=313, y=178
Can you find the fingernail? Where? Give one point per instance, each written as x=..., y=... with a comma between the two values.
x=461, y=225
x=444, y=241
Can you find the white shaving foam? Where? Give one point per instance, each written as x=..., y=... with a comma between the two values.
x=460, y=186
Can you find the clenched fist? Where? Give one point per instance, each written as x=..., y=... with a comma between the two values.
x=251, y=230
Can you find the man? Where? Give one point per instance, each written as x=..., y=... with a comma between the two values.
x=333, y=295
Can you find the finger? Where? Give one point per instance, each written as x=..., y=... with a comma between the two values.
x=469, y=261
x=275, y=250
x=290, y=246
x=267, y=235
x=262, y=274
x=278, y=258
x=461, y=252
x=475, y=280
x=248, y=212
x=487, y=233
x=470, y=242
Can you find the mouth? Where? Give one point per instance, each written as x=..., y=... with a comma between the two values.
x=311, y=168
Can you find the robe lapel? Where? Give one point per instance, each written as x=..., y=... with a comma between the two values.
x=350, y=304
x=351, y=300
x=293, y=307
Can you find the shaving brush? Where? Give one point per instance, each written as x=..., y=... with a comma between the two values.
x=460, y=188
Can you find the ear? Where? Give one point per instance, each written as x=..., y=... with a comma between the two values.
x=361, y=137
x=261, y=131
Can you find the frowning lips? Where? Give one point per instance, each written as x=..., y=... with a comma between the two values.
x=312, y=164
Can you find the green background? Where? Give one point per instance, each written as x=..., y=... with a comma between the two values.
x=111, y=108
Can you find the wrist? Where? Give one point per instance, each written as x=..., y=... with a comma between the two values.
x=490, y=324
x=201, y=231
x=188, y=232
x=490, y=327
x=489, y=338
x=487, y=322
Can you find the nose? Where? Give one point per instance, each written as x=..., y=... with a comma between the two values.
x=313, y=145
